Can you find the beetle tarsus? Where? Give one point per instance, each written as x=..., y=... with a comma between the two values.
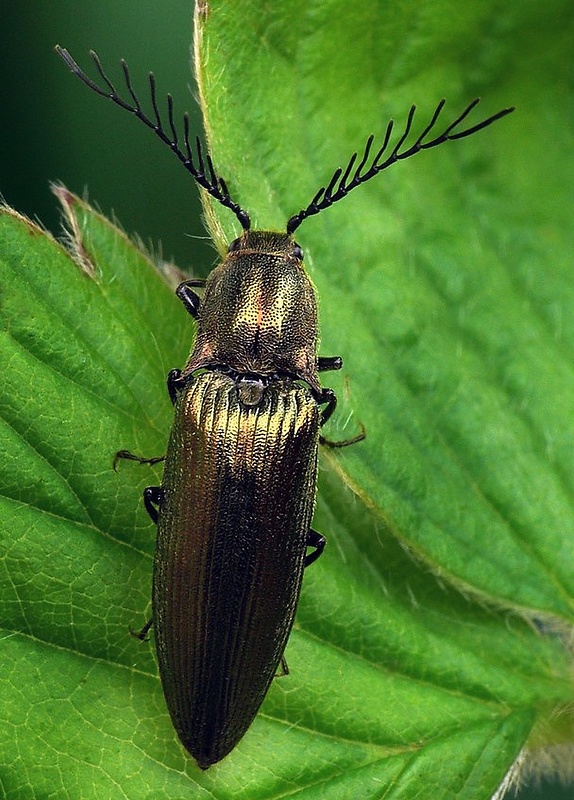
x=127, y=455
x=345, y=442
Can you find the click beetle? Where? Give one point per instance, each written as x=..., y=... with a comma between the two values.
x=235, y=506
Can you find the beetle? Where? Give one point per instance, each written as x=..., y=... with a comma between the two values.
x=235, y=506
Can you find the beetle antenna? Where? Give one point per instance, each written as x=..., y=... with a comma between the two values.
x=342, y=182
x=192, y=158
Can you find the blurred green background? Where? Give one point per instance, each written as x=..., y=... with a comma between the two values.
x=53, y=129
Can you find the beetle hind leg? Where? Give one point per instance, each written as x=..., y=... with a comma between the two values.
x=153, y=498
x=317, y=541
x=282, y=669
x=142, y=634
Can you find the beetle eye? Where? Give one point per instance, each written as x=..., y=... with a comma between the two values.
x=235, y=244
x=297, y=252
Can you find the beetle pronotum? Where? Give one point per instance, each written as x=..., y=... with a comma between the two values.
x=235, y=505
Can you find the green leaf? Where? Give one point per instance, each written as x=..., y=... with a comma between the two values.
x=423, y=657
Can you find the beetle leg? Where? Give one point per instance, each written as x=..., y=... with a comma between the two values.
x=174, y=384
x=317, y=541
x=329, y=397
x=128, y=456
x=153, y=497
x=326, y=363
x=283, y=667
x=190, y=299
x=345, y=442
x=142, y=634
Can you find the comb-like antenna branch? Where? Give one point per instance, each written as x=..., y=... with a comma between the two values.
x=192, y=160
x=343, y=181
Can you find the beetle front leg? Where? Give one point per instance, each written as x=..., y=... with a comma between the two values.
x=317, y=541
x=190, y=299
x=153, y=498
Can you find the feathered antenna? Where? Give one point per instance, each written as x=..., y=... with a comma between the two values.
x=200, y=166
x=342, y=182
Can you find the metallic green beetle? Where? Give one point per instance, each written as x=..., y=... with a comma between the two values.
x=238, y=491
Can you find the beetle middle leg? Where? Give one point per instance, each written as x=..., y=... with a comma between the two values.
x=345, y=442
x=129, y=456
x=152, y=495
x=174, y=384
x=329, y=398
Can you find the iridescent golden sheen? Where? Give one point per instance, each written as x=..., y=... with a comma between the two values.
x=259, y=312
x=239, y=485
